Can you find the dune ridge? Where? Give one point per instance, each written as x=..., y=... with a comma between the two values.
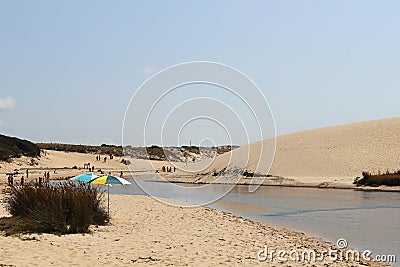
x=336, y=154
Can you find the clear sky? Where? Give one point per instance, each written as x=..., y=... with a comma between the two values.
x=69, y=68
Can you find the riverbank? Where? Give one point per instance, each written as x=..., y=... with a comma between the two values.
x=274, y=181
x=146, y=232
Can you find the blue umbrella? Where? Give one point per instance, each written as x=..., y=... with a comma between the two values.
x=85, y=177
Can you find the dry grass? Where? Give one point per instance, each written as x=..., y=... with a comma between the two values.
x=63, y=209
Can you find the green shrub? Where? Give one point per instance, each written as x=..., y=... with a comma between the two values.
x=11, y=147
x=66, y=208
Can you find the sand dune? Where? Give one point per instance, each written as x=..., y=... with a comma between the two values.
x=334, y=154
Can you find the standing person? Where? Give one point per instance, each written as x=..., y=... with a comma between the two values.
x=121, y=174
x=22, y=180
x=105, y=159
x=174, y=168
x=27, y=175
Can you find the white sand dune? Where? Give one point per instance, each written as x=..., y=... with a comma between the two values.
x=334, y=154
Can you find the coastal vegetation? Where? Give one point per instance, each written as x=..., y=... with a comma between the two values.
x=67, y=208
x=12, y=147
x=103, y=149
x=153, y=152
x=375, y=180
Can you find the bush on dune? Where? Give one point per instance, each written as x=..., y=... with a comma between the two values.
x=64, y=209
x=375, y=180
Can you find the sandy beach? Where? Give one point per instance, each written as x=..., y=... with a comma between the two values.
x=144, y=231
x=69, y=164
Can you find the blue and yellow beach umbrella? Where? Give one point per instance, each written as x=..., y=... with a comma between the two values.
x=109, y=180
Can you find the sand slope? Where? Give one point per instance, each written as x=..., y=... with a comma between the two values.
x=338, y=153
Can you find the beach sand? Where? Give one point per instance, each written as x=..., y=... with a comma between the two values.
x=144, y=231
x=64, y=162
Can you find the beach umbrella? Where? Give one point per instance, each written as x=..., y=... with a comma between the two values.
x=87, y=177
x=109, y=180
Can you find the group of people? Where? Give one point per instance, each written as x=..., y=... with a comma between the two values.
x=12, y=176
x=87, y=166
x=168, y=169
x=98, y=158
x=10, y=180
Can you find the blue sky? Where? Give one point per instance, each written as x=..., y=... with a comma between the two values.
x=72, y=66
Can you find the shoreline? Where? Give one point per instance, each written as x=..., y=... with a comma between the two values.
x=145, y=231
x=284, y=182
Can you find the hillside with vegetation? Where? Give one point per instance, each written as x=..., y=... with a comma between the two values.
x=12, y=147
x=176, y=154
